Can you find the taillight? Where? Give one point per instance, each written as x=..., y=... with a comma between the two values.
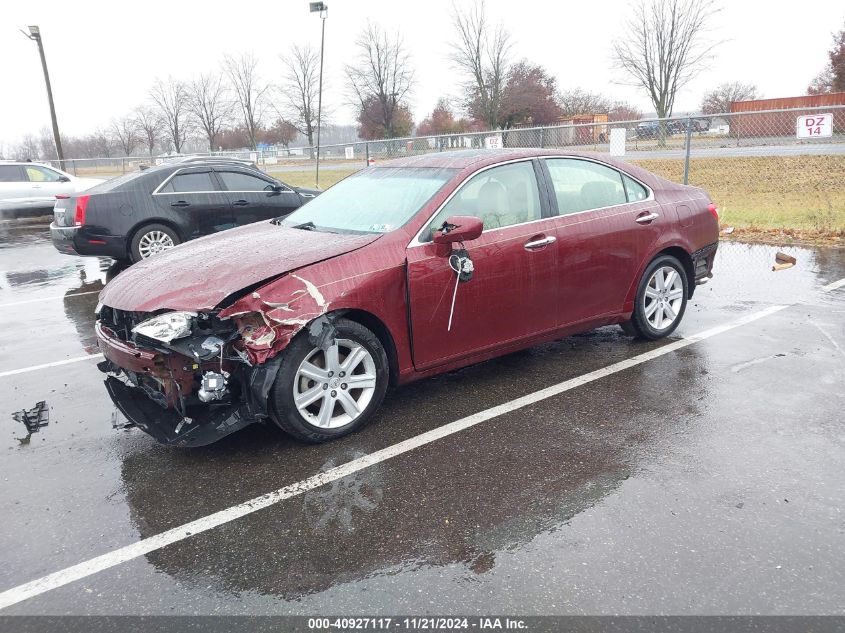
x=713, y=211
x=81, y=205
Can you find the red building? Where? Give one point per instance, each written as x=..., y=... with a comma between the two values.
x=782, y=123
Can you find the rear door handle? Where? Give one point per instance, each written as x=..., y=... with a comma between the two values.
x=180, y=204
x=530, y=246
x=240, y=203
x=645, y=219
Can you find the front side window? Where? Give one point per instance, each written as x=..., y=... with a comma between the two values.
x=10, y=173
x=373, y=200
x=581, y=185
x=195, y=182
x=501, y=196
x=41, y=174
x=239, y=181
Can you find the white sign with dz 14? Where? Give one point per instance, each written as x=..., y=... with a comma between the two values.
x=814, y=126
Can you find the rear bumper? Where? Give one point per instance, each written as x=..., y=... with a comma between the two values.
x=702, y=262
x=78, y=240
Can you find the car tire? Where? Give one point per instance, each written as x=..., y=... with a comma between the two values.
x=661, y=293
x=151, y=239
x=313, y=405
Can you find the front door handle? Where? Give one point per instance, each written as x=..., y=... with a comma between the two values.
x=240, y=203
x=180, y=204
x=645, y=219
x=534, y=245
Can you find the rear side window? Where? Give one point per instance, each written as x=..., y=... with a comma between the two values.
x=195, y=182
x=634, y=190
x=11, y=173
x=581, y=185
x=41, y=174
x=239, y=181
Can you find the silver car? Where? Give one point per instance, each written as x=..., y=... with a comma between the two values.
x=26, y=187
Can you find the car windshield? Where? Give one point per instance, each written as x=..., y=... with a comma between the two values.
x=374, y=200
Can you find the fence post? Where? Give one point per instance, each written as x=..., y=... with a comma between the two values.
x=123, y=165
x=686, y=154
x=542, y=137
x=367, y=153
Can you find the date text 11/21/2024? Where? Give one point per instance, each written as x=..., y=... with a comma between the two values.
x=417, y=623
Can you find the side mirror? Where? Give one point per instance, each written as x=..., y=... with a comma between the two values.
x=64, y=179
x=458, y=228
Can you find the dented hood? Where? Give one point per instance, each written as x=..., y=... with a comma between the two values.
x=198, y=275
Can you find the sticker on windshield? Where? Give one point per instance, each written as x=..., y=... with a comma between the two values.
x=380, y=228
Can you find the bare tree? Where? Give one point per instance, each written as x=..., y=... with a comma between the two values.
x=101, y=143
x=250, y=90
x=300, y=86
x=665, y=47
x=718, y=100
x=125, y=133
x=47, y=144
x=209, y=104
x=380, y=78
x=579, y=101
x=483, y=53
x=27, y=148
x=171, y=100
x=149, y=127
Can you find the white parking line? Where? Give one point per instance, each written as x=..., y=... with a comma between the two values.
x=834, y=285
x=147, y=545
x=68, y=361
x=50, y=298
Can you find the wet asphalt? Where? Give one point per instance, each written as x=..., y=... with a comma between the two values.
x=710, y=480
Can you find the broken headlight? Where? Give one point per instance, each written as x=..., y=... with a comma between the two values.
x=166, y=327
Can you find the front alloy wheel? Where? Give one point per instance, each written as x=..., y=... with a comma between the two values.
x=321, y=394
x=334, y=386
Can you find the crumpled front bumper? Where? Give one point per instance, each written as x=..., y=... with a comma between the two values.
x=202, y=423
x=166, y=426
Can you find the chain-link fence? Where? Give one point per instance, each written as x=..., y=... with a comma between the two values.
x=768, y=169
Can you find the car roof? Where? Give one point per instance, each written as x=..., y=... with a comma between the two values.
x=195, y=164
x=473, y=159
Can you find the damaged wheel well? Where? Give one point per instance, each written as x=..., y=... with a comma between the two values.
x=374, y=324
x=686, y=259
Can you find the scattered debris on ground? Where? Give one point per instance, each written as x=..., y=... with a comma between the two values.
x=783, y=261
x=33, y=419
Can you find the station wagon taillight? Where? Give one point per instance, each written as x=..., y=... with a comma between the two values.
x=81, y=205
x=713, y=211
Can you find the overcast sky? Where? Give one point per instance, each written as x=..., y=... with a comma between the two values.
x=104, y=55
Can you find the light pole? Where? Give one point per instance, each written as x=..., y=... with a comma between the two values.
x=323, y=9
x=35, y=34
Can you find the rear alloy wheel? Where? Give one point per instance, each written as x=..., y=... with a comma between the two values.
x=321, y=394
x=152, y=239
x=661, y=299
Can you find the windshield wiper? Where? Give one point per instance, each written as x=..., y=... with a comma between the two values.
x=306, y=226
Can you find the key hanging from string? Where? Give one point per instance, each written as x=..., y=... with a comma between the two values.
x=460, y=262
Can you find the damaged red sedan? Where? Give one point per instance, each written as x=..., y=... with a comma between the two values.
x=403, y=270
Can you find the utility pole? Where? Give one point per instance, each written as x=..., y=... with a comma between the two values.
x=323, y=9
x=35, y=34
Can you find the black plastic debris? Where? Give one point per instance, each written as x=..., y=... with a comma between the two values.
x=33, y=419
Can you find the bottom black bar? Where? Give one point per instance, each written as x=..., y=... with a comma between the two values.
x=564, y=624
